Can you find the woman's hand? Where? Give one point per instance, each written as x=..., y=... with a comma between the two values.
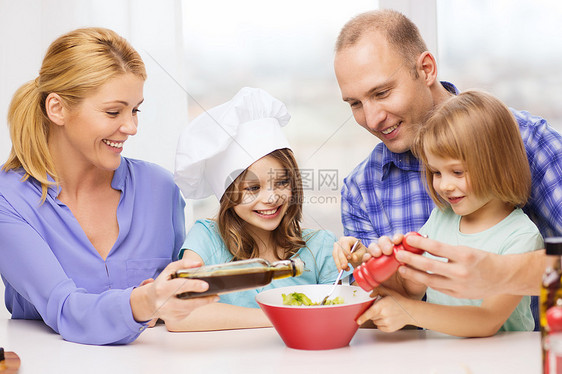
x=342, y=253
x=153, y=321
x=158, y=299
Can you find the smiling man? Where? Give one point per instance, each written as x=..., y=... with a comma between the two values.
x=389, y=79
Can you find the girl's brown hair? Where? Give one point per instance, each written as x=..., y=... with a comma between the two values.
x=75, y=65
x=479, y=130
x=287, y=236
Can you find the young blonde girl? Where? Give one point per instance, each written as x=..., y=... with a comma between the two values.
x=256, y=178
x=478, y=175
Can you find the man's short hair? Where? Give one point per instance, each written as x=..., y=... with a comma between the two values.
x=401, y=33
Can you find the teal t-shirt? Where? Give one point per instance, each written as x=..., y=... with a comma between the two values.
x=514, y=234
x=320, y=268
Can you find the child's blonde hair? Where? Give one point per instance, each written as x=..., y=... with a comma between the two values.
x=287, y=236
x=479, y=130
x=75, y=65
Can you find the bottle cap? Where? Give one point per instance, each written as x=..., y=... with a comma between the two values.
x=554, y=318
x=553, y=245
x=298, y=266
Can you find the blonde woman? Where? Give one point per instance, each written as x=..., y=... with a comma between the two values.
x=478, y=176
x=84, y=230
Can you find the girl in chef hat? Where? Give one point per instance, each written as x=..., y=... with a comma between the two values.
x=237, y=151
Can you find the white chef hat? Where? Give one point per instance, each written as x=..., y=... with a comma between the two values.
x=217, y=146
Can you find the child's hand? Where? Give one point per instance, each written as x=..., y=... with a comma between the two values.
x=342, y=253
x=390, y=313
x=384, y=246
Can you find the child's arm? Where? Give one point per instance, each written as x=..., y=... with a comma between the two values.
x=220, y=317
x=394, y=311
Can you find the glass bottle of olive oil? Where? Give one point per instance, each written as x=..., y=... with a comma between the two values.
x=550, y=302
x=239, y=275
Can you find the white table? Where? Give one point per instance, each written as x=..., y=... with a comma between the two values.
x=262, y=351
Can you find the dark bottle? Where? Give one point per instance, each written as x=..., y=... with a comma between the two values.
x=9, y=362
x=550, y=307
x=239, y=275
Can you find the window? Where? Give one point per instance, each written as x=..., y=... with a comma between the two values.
x=288, y=51
x=508, y=48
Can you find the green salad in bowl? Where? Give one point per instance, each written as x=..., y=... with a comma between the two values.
x=299, y=298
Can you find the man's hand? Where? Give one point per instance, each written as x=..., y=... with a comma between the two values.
x=469, y=273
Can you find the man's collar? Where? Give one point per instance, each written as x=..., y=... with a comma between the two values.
x=405, y=161
x=450, y=87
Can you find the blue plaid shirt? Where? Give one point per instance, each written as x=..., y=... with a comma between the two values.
x=386, y=194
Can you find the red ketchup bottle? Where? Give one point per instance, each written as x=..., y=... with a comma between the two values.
x=378, y=269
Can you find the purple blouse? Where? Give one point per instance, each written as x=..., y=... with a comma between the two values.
x=51, y=270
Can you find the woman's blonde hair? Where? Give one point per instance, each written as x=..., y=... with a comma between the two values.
x=287, y=236
x=479, y=130
x=75, y=65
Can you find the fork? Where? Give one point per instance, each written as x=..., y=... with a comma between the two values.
x=339, y=275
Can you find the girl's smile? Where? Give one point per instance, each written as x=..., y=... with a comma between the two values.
x=268, y=214
x=454, y=200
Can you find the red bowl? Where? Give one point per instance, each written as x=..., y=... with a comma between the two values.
x=315, y=327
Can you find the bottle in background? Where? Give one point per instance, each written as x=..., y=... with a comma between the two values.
x=550, y=308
